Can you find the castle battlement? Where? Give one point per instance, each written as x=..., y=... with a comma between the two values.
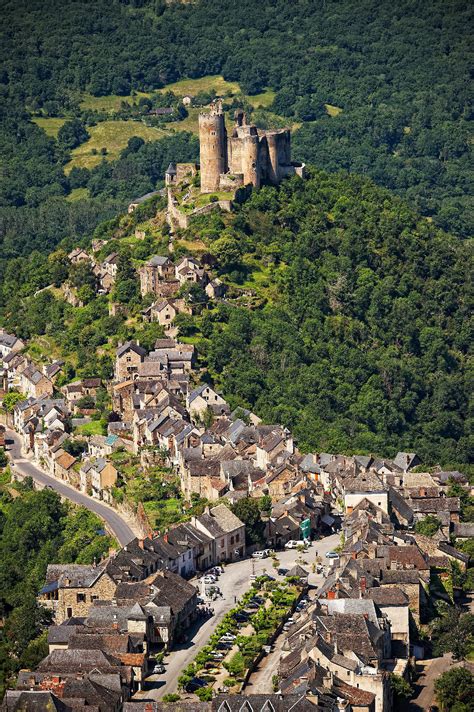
x=248, y=156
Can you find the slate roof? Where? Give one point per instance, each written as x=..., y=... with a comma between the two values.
x=298, y=571
x=353, y=606
x=130, y=345
x=404, y=460
x=225, y=518
x=64, y=661
x=400, y=576
x=211, y=525
x=147, y=196
x=364, y=482
x=464, y=529
x=436, y=504
x=76, y=575
x=34, y=701
x=454, y=553
x=385, y=596
x=158, y=261
x=400, y=504
x=8, y=340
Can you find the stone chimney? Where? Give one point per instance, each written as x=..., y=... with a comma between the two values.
x=362, y=585
x=141, y=543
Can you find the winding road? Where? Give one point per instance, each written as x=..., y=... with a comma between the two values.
x=114, y=522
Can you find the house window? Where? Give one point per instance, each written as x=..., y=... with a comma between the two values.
x=94, y=597
x=189, y=554
x=231, y=539
x=69, y=612
x=128, y=359
x=237, y=538
x=81, y=597
x=222, y=543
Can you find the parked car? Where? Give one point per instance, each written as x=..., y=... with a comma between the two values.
x=332, y=555
x=195, y=684
x=257, y=599
x=209, y=578
x=259, y=555
x=159, y=669
x=229, y=637
x=282, y=571
x=252, y=606
x=295, y=543
x=241, y=617
x=224, y=645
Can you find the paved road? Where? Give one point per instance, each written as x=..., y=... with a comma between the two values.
x=260, y=682
x=114, y=522
x=233, y=582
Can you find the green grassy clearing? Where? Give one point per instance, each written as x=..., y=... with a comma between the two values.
x=191, y=87
x=263, y=100
x=332, y=110
x=190, y=123
x=92, y=428
x=205, y=198
x=163, y=513
x=78, y=194
x=111, y=102
x=112, y=135
x=50, y=126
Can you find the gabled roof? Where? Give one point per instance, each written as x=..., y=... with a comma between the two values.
x=405, y=460
x=130, y=346
x=436, y=504
x=158, y=261
x=66, y=461
x=226, y=518
x=364, y=482
x=73, y=575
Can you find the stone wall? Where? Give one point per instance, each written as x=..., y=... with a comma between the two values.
x=103, y=589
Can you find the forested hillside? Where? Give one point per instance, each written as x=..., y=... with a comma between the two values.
x=36, y=528
x=347, y=317
x=363, y=338
x=395, y=77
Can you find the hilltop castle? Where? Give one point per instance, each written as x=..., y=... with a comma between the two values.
x=228, y=166
x=248, y=156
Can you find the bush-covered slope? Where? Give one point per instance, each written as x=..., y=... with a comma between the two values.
x=362, y=343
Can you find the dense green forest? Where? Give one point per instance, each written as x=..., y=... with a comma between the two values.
x=36, y=528
x=362, y=342
x=399, y=73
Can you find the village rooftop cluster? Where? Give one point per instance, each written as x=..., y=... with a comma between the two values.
x=112, y=617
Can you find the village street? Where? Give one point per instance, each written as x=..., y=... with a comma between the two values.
x=115, y=523
x=234, y=582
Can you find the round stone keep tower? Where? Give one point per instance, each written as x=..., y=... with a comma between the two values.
x=212, y=148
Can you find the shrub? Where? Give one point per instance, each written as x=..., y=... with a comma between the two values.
x=171, y=697
x=428, y=526
x=236, y=665
x=204, y=694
